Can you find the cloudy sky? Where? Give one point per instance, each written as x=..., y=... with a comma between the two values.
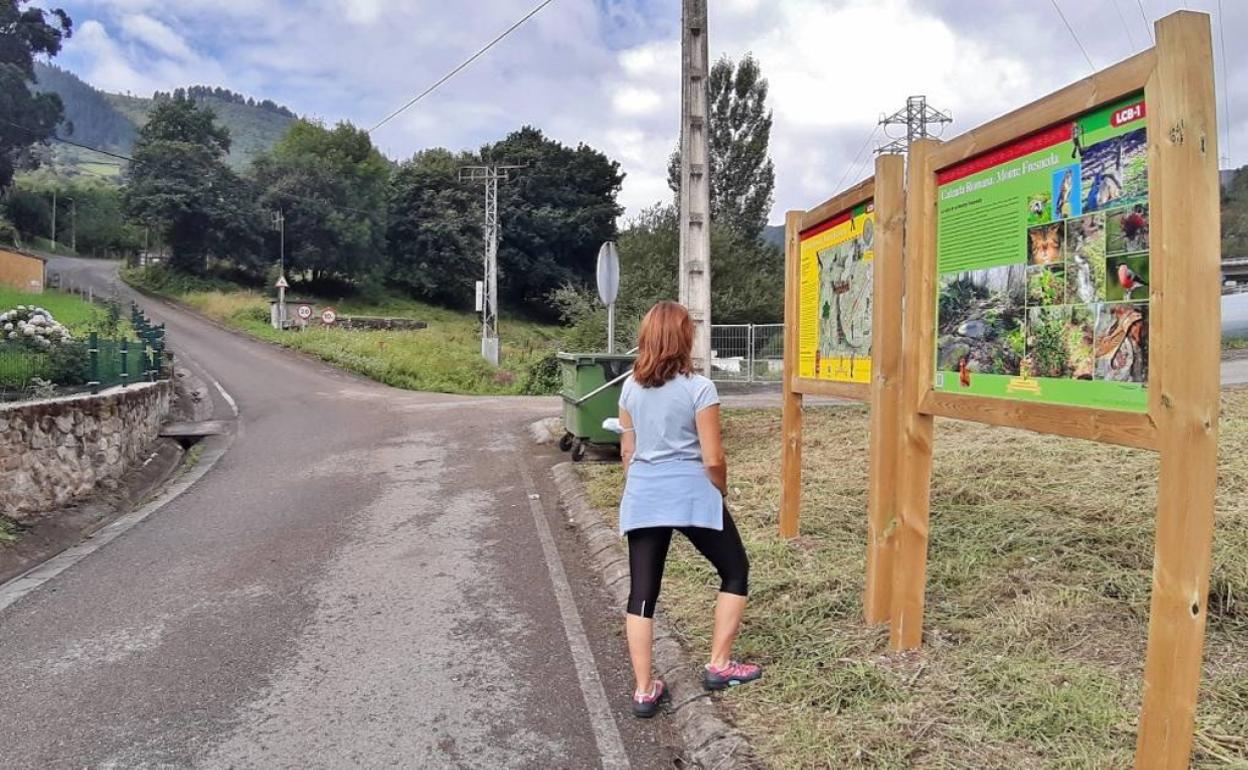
x=607, y=72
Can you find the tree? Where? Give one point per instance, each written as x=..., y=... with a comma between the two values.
x=330, y=185
x=29, y=118
x=555, y=214
x=748, y=285
x=742, y=175
x=1235, y=216
x=88, y=212
x=434, y=228
x=180, y=184
x=90, y=118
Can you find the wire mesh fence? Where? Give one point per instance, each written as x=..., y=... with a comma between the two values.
x=747, y=352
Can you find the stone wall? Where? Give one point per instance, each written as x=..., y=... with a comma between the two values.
x=52, y=452
x=373, y=323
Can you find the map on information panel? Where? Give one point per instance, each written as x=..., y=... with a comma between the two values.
x=837, y=259
x=1043, y=266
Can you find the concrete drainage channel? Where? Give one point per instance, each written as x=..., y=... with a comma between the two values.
x=710, y=742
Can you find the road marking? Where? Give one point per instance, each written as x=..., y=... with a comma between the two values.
x=606, y=733
x=18, y=587
x=228, y=398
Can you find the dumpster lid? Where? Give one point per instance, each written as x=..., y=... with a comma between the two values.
x=589, y=358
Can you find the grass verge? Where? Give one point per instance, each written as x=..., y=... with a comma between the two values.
x=444, y=358
x=76, y=313
x=1038, y=589
x=8, y=532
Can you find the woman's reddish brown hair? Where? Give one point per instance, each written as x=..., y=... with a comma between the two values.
x=665, y=345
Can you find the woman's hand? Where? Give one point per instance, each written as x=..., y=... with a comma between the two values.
x=710, y=436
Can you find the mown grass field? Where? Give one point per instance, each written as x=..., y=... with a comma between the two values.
x=444, y=358
x=17, y=364
x=79, y=315
x=1039, y=579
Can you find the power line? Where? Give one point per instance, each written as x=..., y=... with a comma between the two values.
x=1144, y=16
x=854, y=163
x=1125, y=26
x=1079, y=43
x=1226, y=77
x=916, y=116
x=55, y=138
x=457, y=70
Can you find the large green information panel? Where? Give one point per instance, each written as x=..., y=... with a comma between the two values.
x=1042, y=261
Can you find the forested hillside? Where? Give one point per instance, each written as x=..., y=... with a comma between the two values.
x=111, y=121
x=90, y=118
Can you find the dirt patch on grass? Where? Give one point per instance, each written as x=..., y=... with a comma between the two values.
x=1038, y=589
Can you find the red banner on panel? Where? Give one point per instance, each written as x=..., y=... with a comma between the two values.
x=1006, y=153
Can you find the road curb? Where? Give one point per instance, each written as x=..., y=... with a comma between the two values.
x=710, y=742
x=148, y=501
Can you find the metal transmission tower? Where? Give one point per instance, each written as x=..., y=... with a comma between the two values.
x=916, y=117
x=695, y=183
x=489, y=305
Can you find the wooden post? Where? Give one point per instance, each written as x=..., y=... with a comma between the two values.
x=886, y=426
x=791, y=422
x=1183, y=389
x=914, y=466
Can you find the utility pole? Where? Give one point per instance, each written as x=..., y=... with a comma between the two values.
x=53, y=220
x=489, y=307
x=695, y=183
x=279, y=224
x=916, y=116
x=73, y=225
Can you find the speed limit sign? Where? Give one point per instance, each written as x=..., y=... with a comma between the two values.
x=304, y=312
x=329, y=316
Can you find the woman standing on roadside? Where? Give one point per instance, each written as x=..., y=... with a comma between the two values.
x=676, y=479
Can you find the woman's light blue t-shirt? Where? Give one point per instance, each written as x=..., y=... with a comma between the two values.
x=667, y=485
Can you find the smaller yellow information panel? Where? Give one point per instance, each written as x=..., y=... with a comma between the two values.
x=834, y=332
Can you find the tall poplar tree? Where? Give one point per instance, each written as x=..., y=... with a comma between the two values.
x=743, y=177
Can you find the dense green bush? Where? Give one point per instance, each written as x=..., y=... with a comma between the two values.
x=8, y=233
x=543, y=377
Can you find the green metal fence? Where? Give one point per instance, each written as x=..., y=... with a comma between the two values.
x=117, y=362
x=90, y=365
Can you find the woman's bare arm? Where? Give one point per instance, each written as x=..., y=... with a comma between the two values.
x=710, y=436
x=628, y=439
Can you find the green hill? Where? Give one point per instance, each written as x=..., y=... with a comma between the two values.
x=111, y=121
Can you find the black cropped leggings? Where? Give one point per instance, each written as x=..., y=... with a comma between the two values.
x=647, y=555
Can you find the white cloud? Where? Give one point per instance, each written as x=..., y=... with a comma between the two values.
x=363, y=12
x=109, y=69
x=148, y=31
x=633, y=101
x=607, y=72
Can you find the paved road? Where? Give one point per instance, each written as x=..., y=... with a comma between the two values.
x=367, y=577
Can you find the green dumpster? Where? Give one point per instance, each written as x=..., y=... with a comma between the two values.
x=591, y=393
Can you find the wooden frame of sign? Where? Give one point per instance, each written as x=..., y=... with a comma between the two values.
x=1178, y=402
x=878, y=383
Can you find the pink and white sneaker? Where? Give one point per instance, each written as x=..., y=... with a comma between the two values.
x=731, y=675
x=646, y=706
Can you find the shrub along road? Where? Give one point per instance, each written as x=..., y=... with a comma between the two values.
x=368, y=576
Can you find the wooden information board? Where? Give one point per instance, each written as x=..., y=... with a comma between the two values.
x=843, y=281
x=1063, y=274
